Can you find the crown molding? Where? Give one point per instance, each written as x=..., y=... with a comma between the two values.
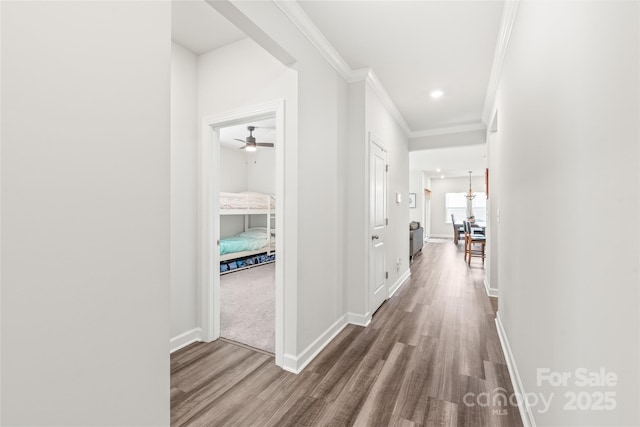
x=370, y=77
x=300, y=19
x=449, y=129
x=509, y=13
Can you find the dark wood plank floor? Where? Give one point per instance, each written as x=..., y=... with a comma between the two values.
x=426, y=348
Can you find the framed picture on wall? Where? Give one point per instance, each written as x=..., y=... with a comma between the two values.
x=412, y=200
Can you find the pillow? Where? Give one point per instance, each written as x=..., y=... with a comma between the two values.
x=256, y=233
x=413, y=225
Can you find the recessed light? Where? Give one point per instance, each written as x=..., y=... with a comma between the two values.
x=442, y=176
x=437, y=93
x=438, y=170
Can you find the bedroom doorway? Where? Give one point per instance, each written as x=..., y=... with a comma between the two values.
x=241, y=194
x=247, y=233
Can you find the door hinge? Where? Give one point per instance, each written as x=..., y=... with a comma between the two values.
x=386, y=274
x=386, y=168
x=386, y=221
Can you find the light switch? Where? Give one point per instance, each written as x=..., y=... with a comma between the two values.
x=398, y=197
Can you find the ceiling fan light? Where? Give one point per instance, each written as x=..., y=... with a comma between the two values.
x=250, y=148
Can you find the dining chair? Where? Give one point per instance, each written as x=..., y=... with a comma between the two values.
x=471, y=239
x=458, y=230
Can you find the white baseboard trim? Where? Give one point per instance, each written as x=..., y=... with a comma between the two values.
x=442, y=236
x=183, y=340
x=296, y=364
x=516, y=382
x=492, y=292
x=401, y=280
x=359, y=319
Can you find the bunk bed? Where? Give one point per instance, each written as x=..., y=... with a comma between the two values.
x=255, y=245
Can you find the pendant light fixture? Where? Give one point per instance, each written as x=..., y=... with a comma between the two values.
x=470, y=196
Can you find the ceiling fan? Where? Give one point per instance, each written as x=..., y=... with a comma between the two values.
x=250, y=142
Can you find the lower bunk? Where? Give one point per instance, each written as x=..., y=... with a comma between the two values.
x=253, y=247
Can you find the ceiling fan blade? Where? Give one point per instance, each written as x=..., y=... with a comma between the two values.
x=241, y=140
x=264, y=144
x=243, y=147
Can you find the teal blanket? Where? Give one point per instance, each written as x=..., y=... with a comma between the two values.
x=235, y=244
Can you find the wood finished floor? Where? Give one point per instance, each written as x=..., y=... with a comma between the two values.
x=426, y=347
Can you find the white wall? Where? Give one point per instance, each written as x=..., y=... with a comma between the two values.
x=261, y=177
x=426, y=181
x=380, y=122
x=233, y=179
x=569, y=294
x=367, y=115
x=356, y=213
x=233, y=170
x=439, y=188
x=494, y=163
x=416, y=186
x=261, y=171
x=85, y=213
x=184, y=136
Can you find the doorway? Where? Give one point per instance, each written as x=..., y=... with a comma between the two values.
x=247, y=234
x=210, y=204
x=378, y=169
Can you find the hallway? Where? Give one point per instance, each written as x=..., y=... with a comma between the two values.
x=429, y=352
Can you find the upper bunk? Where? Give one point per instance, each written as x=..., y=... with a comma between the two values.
x=247, y=203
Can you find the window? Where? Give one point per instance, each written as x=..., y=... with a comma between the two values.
x=456, y=205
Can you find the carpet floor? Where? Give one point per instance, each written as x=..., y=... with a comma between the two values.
x=247, y=303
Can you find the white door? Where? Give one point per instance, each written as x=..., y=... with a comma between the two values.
x=378, y=291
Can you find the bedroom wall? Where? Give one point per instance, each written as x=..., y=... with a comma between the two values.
x=233, y=179
x=570, y=290
x=85, y=213
x=439, y=188
x=261, y=178
x=261, y=171
x=184, y=136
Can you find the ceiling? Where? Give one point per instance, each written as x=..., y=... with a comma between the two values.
x=415, y=47
x=199, y=27
x=265, y=132
x=452, y=162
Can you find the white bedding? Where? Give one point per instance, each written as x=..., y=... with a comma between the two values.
x=247, y=200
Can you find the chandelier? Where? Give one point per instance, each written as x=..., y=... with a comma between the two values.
x=470, y=196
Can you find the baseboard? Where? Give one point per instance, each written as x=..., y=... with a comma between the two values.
x=183, y=340
x=492, y=292
x=359, y=319
x=516, y=382
x=401, y=280
x=442, y=236
x=296, y=364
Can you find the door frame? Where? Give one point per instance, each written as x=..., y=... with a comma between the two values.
x=373, y=139
x=209, y=217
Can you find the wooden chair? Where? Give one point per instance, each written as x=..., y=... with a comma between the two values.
x=458, y=230
x=471, y=239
